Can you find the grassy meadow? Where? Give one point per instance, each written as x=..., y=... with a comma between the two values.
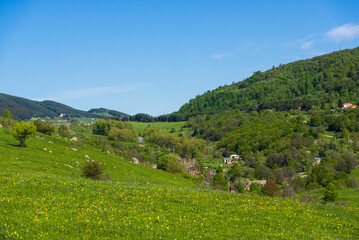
x=43, y=196
x=164, y=127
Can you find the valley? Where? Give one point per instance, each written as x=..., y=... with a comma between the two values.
x=274, y=156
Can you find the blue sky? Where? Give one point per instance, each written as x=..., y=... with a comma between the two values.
x=154, y=56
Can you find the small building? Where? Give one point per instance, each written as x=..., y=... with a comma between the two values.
x=349, y=105
x=192, y=170
x=247, y=184
x=315, y=162
x=232, y=189
x=232, y=159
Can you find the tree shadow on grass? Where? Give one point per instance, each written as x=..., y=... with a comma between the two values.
x=14, y=145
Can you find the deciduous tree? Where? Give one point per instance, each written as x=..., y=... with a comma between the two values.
x=22, y=131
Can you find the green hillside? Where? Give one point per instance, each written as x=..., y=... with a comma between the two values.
x=23, y=108
x=44, y=196
x=320, y=81
x=108, y=112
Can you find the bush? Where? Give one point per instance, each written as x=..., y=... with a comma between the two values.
x=352, y=183
x=101, y=127
x=299, y=184
x=162, y=161
x=263, y=172
x=93, y=169
x=6, y=119
x=63, y=130
x=44, y=127
x=124, y=135
x=313, y=185
x=220, y=181
x=256, y=188
x=174, y=166
x=288, y=190
x=330, y=193
x=239, y=187
x=271, y=188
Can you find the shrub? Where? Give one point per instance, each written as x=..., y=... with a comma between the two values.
x=174, y=166
x=271, y=188
x=234, y=173
x=330, y=193
x=186, y=175
x=63, y=130
x=162, y=161
x=263, y=172
x=124, y=135
x=256, y=188
x=312, y=186
x=220, y=181
x=6, y=119
x=299, y=184
x=352, y=183
x=44, y=127
x=22, y=131
x=93, y=169
x=101, y=127
x=288, y=190
x=239, y=187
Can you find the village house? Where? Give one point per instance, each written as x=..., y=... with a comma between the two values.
x=232, y=189
x=349, y=105
x=232, y=159
x=192, y=170
x=315, y=162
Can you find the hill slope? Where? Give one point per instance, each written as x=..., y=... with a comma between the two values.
x=318, y=81
x=23, y=108
x=44, y=196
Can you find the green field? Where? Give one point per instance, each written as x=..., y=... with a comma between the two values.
x=44, y=196
x=164, y=127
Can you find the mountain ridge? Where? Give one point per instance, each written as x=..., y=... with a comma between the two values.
x=22, y=108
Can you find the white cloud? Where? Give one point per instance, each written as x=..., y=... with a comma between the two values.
x=303, y=43
x=345, y=32
x=306, y=45
x=221, y=55
x=91, y=92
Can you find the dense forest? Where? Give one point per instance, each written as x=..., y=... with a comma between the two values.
x=320, y=81
x=279, y=145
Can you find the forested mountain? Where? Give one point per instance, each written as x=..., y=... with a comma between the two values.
x=321, y=81
x=22, y=108
x=105, y=111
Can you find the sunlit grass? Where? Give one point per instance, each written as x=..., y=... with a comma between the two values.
x=44, y=196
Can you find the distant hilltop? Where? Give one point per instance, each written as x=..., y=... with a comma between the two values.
x=22, y=109
x=108, y=112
